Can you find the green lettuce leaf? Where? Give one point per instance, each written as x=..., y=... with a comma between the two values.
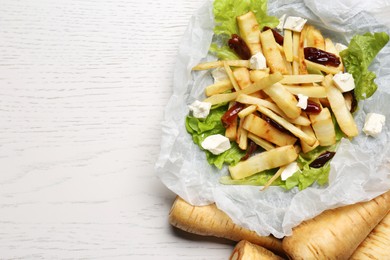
x=200, y=129
x=223, y=53
x=358, y=57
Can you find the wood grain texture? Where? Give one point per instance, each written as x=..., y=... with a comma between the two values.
x=83, y=85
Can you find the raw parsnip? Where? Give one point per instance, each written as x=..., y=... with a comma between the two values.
x=245, y=250
x=336, y=233
x=210, y=221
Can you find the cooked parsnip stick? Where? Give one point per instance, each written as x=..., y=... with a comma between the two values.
x=247, y=111
x=242, y=77
x=276, y=175
x=272, y=54
x=337, y=103
x=301, y=54
x=219, y=63
x=288, y=45
x=263, y=161
x=229, y=72
x=314, y=92
x=377, y=244
x=336, y=233
x=284, y=99
x=231, y=130
x=250, y=31
x=261, y=128
x=329, y=47
x=326, y=69
x=256, y=86
x=301, y=79
x=314, y=38
x=323, y=127
x=305, y=147
x=218, y=87
x=245, y=250
x=261, y=142
x=290, y=127
x=242, y=135
x=295, y=64
x=210, y=221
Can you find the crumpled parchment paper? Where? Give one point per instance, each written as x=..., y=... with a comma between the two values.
x=360, y=170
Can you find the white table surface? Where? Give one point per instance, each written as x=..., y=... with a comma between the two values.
x=83, y=85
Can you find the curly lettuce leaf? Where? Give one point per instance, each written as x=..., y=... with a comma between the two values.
x=200, y=129
x=223, y=53
x=358, y=57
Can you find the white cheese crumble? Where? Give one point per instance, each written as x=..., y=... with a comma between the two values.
x=344, y=81
x=289, y=171
x=258, y=62
x=302, y=101
x=200, y=109
x=219, y=74
x=282, y=19
x=294, y=23
x=216, y=144
x=373, y=124
x=340, y=47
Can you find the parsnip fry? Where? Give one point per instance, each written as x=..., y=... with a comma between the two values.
x=342, y=230
x=314, y=92
x=314, y=38
x=217, y=64
x=242, y=135
x=326, y=69
x=263, y=161
x=296, y=36
x=377, y=244
x=270, y=181
x=284, y=99
x=323, y=127
x=305, y=147
x=301, y=54
x=301, y=79
x=245, y=250
x=256, y=86
x=261, y=128
x=250, y=31
x=229, y=72
x=290, y=127
x=242, y=77
x=329, y=47
x=271, y=52
x=288, y=45
x=231, y=130
x=247, y=111
x=210, y=221
x=218, y=87
x=261, y=142
x=337, y=103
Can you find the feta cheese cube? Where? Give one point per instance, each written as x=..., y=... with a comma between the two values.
x=289, y=171
x=294, y=23
x=258, y=62
x=340, y=47
x=216, y=144
x=219, y=74
x=302, y=101
x=282, y=19
x=373, y=124
x=200, y=109
x=344, y=81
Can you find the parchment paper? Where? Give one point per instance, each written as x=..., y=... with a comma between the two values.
x=360, y=170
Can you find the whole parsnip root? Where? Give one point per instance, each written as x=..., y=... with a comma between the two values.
x=377, y=244
x=210, y=221
x=245, y=250
x=336, y=233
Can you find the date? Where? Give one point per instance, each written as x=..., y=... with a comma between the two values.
x=322, y=159
x=239, y=46
x=232, y=113
x=312, y=107
x=321, y=57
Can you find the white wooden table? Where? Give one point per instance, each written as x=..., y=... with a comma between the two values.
x=83, y=85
